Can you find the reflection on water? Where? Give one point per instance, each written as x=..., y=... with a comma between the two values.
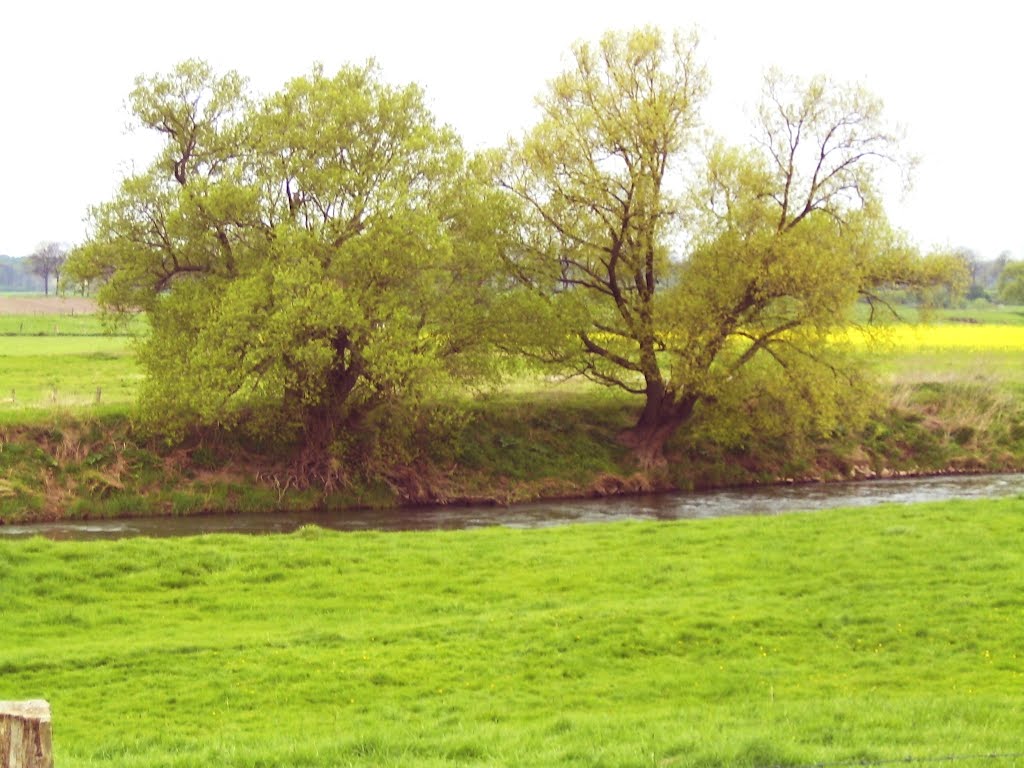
x=746, y=501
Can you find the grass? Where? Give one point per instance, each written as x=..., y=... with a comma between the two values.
x=980, y=311
x=504, y=448
x=863, y=635
x=533, y=427
x=40, y=373
x=846, y=636
x=65, y=325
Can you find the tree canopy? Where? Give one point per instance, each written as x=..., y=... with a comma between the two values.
x=682, y=279
x=1010, y=287
x=302, y=258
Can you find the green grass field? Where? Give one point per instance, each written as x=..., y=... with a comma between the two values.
x=57, y=354
x=976, y=312
x=981, y=313
x=843, y=636
x=38, y=374
x=65, y=325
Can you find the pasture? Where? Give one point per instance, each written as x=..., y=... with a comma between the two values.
x=56, y=353
x=39, y=374
x=850, y=637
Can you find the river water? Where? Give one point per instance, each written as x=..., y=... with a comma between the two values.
x=772, y=500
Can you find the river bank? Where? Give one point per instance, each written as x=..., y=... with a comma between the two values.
x=500, y=451
x=759, y=501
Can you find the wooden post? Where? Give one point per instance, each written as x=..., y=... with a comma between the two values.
x=25, y=734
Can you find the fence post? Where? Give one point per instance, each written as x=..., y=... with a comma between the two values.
x=25, y=734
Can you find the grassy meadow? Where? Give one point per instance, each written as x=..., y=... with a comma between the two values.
x=57, y=355
x=854, y=636
x=48, y=372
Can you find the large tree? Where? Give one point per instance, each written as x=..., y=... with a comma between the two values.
x=677, y=284
x=301, y=258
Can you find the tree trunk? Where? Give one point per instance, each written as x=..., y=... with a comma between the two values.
x=25, y=735
x=321, y=421
x=661, y=417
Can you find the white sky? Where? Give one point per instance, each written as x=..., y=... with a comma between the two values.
x=951, y=73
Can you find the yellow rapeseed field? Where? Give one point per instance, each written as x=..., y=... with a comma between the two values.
x=940, y=337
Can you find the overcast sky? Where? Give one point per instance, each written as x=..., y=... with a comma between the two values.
x=951, y=73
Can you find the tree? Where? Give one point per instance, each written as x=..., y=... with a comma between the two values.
x=675, y=286
x=302, y=259
x=993, y=270
x=48, y=259
x=1010, y=287
x=974, y=268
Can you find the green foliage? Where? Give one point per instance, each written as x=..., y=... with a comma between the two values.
x=679, y=286
x=876, y=634
x=302, y=258
x=811, y=404
x=1010, y=287
x=592, y=180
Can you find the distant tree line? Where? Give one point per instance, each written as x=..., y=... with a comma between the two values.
x=39, y=272
x=988, y=279
x=17, y=275
x=997, y=281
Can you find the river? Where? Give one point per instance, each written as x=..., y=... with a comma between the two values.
x=771, y=500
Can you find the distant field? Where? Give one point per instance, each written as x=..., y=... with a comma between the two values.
x=994, y=314
x=67, y=325
x=27, y=315
x=1007, y=315
x=946, y=352
x=29, y=304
